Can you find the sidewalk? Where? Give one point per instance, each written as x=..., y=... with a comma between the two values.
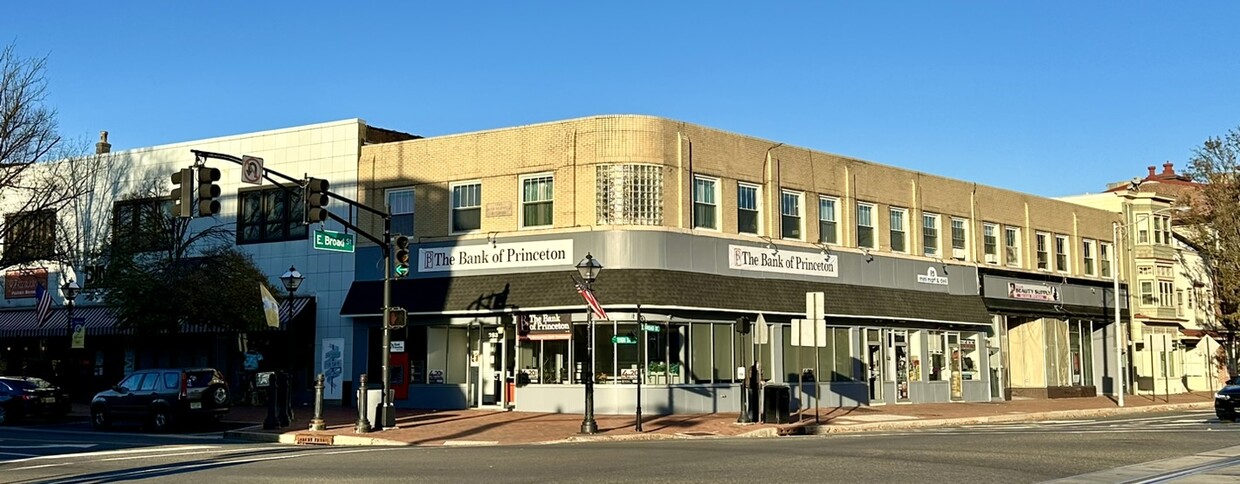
x=484, y=427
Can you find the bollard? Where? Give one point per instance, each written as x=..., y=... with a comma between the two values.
x=363, y=424
x=317, y=422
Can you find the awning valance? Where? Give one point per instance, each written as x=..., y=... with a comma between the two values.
x=100, y=321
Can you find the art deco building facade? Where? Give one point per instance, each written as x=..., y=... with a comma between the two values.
x=936, y=290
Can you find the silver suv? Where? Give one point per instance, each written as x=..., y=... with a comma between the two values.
x=162, y=398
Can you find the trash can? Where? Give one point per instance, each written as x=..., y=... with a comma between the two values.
x=776, y=401
x=374, y=400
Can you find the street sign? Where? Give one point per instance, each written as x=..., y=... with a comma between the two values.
x=623, y=340
x=653, y=328
x=252, y=170
x=333, y=241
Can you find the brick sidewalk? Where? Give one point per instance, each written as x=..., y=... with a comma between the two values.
x=485, y=427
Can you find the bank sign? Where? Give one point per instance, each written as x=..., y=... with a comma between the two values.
x=747, y=258
x=540, y=253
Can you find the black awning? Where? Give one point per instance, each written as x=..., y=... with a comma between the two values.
x=100, y=321
x=653, y=287
x=1044, y=309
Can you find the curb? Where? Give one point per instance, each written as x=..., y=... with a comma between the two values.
x=1020, y=417
x=311, y=438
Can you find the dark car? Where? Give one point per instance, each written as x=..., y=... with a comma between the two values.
x=22, y=396
x=1226, y=400
x=162, y=398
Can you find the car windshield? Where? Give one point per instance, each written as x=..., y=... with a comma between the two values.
x=29, y=383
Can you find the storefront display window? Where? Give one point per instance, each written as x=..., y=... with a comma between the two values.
x=970, y=357
x=724, y=368
x=934, y=344
x=843, y=369
x=898, y=343
x=628, y=356
x=914, y=359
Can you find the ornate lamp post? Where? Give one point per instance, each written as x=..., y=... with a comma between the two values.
x=292, y=280
x=589, y=269
x=70, y=291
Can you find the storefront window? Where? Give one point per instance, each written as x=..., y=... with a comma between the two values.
x=934, y=346
x=954, y=366
x=844, y=367
x=457, y=365
x=970, y=357
x=604, y=353
x=899, y=350
x=1058, y=362
x=700, y=352
x=1080, y=353
x=627, y=355
x=914, y=358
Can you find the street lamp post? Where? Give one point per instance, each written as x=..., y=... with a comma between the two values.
x=70, y=291
x=589, y=269
x=1119, y=330
x=292, y=280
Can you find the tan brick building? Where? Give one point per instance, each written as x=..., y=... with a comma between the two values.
x=935, y=289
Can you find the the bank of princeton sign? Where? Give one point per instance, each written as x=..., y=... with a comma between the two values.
x=496, y=256
x=748, y=258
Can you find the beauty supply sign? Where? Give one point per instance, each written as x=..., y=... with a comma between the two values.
x=1033, y=292
x=747, y=258
x=496, y=256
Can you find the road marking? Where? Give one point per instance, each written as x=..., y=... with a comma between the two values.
x=48, y=446
x=199, y=452
x=80, y=455
x=219, y=463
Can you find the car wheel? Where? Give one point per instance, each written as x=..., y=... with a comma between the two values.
x=99, y=418
x=161, y=420
x=217, y=396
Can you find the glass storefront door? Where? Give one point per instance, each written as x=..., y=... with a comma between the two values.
x=488, y=376
x=874, y=364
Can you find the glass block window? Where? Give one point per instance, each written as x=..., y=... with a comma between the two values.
x=629, y=194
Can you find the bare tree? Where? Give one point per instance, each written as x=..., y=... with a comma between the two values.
x=39, y=175
x=1212, y=228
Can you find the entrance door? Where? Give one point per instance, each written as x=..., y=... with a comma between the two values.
x=487, y=367
x=874, y=364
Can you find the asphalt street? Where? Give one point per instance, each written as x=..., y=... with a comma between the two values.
x=1101, y=450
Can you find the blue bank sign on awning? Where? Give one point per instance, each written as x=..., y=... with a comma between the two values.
x=333, y=241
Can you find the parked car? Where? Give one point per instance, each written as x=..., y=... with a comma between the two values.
x=162, y=398
x=23, y=396
x=1226, y=401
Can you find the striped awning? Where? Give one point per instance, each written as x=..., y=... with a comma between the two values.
x=101, y=322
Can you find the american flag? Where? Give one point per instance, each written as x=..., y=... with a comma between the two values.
x=44, y=309
x=588, y=295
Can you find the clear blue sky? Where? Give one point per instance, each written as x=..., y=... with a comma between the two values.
x=1051, y=98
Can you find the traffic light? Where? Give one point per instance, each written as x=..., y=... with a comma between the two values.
x=401, y=255
x=316, y=199
x=742, y=325
x=183, y=193
x=208, y=191
x=397, y=317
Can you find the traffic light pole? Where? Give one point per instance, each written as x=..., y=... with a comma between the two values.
x=387, y=413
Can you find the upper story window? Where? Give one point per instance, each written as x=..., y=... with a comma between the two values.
x=629, y=194
x=705, y=202
x=898, y=232
x=960, y=237
x=1104, y=256
x=1087, y=256
x=1011, y=246
x=930, y=234
x=142, y=225
x=271, y=214
x=1147, y=294
x=828, y=226
x=865, y=225
x=790, y=211
x=1061, y=253
x=1043, y=247
x=29, y=236
x=1143, y=229
x=537, y=195
x=466, y=206
x=990, y=242
x=1162, y=229
x=400, y=204
x=748, y=208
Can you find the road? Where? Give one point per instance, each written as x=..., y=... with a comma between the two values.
x=1118, y=449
